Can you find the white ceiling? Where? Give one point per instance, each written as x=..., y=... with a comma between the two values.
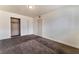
x=35, y=11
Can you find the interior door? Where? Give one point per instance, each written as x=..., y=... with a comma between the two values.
x=15, y=27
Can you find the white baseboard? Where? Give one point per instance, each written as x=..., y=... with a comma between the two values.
x=61, y=42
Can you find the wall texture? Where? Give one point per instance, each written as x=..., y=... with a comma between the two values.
x=62, y=25
x=5, y=25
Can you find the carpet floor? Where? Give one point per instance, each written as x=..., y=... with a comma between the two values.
x=33, y=44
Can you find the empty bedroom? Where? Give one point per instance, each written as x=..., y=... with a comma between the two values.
x=39, y=29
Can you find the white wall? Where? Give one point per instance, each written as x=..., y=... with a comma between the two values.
x=5, y=26
x=62, y=25
x=37, y=26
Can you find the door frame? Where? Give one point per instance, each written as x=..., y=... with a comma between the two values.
x=19, y=26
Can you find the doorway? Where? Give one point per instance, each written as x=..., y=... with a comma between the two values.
x=15, y=27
